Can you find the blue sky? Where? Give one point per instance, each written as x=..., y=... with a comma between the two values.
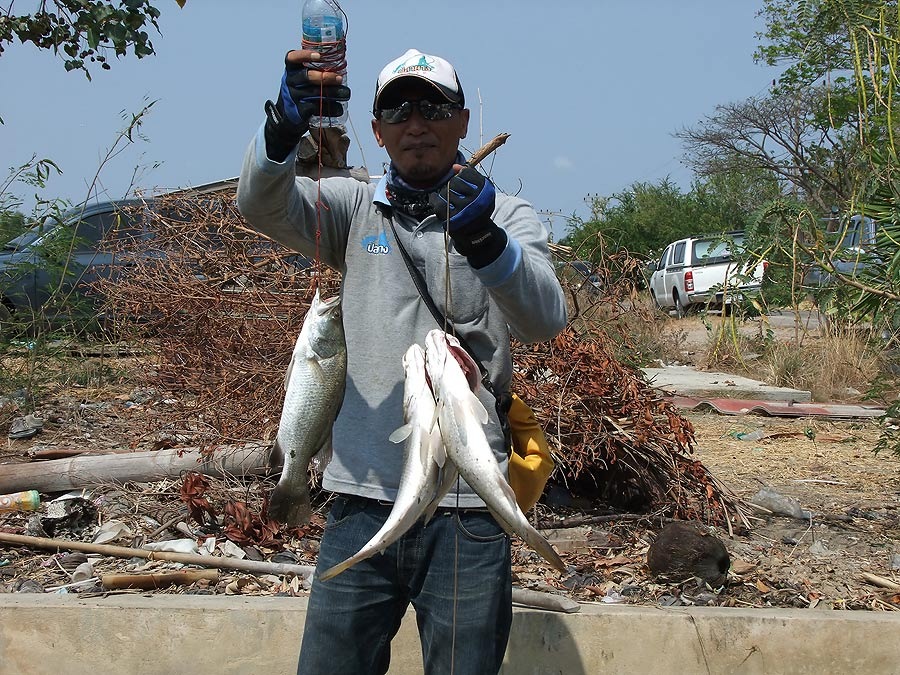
x=591, y=91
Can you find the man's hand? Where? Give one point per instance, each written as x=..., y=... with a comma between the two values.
x=466, y=204
x=304, y=92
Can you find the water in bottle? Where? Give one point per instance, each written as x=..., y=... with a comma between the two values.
x=324, y=31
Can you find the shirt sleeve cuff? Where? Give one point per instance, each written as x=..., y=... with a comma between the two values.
x=503, y=267
x=267, y=165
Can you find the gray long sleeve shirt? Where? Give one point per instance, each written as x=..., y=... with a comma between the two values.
x=517, y=295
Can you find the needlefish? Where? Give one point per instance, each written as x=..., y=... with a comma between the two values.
x=461, y=417
x=426, y=477
x=314, y=385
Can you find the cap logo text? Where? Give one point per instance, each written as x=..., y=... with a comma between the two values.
x=422, y=65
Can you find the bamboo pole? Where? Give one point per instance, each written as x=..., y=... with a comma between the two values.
x=253, y=566
x=158, y=579
x=59, y=475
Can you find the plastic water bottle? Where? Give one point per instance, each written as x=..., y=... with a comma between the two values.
x=324, y=31
x=29, y=500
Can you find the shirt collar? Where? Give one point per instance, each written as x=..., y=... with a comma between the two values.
x=381, y=197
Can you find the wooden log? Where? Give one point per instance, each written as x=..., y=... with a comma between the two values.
x=252, y=566
x=60, y=475
x=549, y=601
x=876, y=580
x=158, y=579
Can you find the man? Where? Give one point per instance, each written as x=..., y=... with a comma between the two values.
x=456, y=569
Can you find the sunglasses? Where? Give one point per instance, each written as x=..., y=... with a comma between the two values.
x=432, y=112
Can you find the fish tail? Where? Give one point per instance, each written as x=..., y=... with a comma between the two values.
x=332, y=572
x=533, y=538
x=545, y=548
x=290, y=505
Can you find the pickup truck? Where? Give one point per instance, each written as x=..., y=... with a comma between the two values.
x=701, y=271
x=853, y=252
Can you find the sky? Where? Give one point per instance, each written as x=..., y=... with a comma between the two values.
x=590, y=91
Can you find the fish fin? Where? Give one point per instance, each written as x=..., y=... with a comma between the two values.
x=287, y=374
x=508, y=491
x=275, y=460
x=400, y=434
x=434, y=417
x=322, y=458
x=477, y=408
x=448, y=476
x=315, y=367
x=439, y=452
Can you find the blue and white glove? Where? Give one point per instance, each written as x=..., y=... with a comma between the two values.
x=298, y=100
x=466, y=204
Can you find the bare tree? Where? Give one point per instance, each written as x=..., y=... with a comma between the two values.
x=794, y=135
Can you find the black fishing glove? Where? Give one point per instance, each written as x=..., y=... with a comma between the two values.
x=468, y=211
x=298, y=99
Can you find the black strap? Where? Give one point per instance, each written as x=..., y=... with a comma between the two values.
x=503, y=401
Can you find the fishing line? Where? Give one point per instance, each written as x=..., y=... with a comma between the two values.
x=332, y=58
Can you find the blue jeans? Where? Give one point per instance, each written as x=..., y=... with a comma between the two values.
x=455, y=571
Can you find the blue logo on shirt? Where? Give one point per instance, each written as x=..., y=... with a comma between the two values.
x=377, y=245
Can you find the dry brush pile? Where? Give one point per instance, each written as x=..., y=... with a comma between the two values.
x=223, y=305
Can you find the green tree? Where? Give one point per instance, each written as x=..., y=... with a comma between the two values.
x=640, y=219
x=644, y=218
x=84, y=31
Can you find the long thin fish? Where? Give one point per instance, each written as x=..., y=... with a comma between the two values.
x=315, y=382
x=461, y=417
x=421, y=486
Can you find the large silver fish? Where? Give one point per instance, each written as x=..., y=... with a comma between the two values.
x=426, y=476
x=315, y=382
x=461, y=417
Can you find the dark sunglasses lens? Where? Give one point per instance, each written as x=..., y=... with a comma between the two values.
x=429, y=111
x=435, y=111
x=396, y=115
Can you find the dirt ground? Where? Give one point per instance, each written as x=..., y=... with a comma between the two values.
x=828, y=467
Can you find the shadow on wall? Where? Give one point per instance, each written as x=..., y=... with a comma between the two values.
x=541, y=644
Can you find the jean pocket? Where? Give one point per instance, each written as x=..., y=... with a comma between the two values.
x=342, y=510
x=479, y=526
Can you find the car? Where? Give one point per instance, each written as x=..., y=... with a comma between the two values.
x=854, y=243
x=702, y=271
x=48, y=270
x=585, y=274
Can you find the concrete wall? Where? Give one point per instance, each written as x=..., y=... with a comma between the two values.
x=174, y=634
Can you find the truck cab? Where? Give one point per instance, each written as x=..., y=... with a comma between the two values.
x=701, y=271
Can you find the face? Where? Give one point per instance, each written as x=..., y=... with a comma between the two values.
x=422, y=151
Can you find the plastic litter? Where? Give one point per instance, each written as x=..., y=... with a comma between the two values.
x=29, y=500
x=780, y=504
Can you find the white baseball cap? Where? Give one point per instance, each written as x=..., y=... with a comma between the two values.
x=433, y=69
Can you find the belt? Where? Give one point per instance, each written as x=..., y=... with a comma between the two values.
x=444, y=510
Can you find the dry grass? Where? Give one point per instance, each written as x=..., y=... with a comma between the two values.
x=828, y=465
x=834, y=363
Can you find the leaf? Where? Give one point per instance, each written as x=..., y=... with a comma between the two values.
x=762, y=587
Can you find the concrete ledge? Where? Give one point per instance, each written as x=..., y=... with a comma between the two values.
x=173, y=634
x=688, y=381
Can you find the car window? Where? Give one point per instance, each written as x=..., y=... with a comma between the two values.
x=123, y=225
x=661, y=265
x=678, y=255
x=88, y=232
x=710, y=251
